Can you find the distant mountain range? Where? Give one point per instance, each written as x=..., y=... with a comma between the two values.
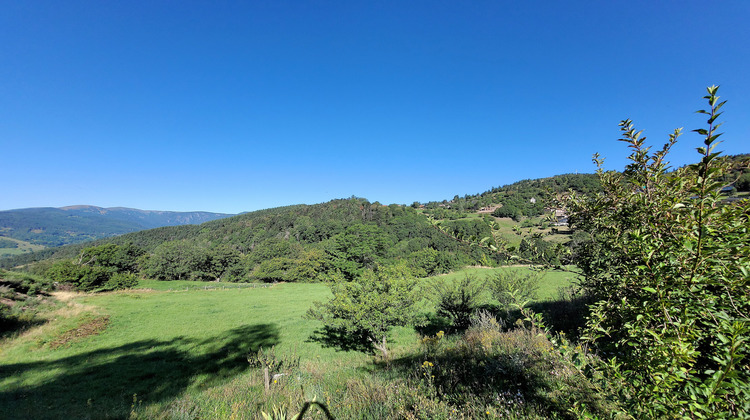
x=51, y=227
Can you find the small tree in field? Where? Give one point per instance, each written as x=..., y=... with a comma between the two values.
x=371, y=306
x=459, y=300
x=668, y=265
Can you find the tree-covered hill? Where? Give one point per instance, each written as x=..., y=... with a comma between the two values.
x=523, y=198
x=294, y=243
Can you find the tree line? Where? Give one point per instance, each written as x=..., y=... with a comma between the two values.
x=342, y=238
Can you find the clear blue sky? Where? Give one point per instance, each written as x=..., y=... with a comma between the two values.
x=237, y=106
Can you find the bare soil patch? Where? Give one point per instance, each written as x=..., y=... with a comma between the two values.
x=89, y=328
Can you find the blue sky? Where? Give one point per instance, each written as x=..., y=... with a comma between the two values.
x=237, y=106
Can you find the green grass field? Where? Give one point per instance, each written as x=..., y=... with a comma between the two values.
x=549, y=285
x=167, y=349
x=23, y=247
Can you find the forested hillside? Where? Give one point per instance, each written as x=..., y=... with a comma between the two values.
x=527, y=197
x=295, y=243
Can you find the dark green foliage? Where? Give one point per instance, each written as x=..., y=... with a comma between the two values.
x=298, y=243
x=64, y=272
x=7, y=243
x=180, y=260
x=118, y=281
x=91, y=278
x=429, y=262
x=459, y=301
x=508, y=210
x=273, y=270
x=362, y=245
x=81, y=277
x=536, y=249
x=22, y=296
x=123, y=258
x=470, y=230
x=523, y=198
x=668, y=268
x=99, y=268
x=273, y=248
x=743, y=183
x=25, y=283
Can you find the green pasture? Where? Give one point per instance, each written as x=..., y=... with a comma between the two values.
x=549, y=284
x=23, y=247
x=7, y=252
x=170, y=342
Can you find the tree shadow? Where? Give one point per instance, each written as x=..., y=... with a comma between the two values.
x=566, y=314
x=434, y=324
x=525, y=377
x=341, y=340
x=11, y=326
x=103, y=383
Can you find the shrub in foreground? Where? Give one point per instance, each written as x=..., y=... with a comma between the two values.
x=668, y=267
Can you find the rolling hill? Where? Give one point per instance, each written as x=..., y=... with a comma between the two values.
x=52, y=227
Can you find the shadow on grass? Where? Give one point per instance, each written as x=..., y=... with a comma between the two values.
x=102, y=383
x=11, y=325
x=518, y=383
x=433, y=324
x=340, y=339
x=566, y=314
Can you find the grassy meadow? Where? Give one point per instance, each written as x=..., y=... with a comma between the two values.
x=21, y=247
x=180, y=349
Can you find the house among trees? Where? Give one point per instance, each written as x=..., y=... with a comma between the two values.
x=488, y=209
x=560, y=216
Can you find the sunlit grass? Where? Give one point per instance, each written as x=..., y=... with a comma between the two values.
x=549, y=284
x=183, y=346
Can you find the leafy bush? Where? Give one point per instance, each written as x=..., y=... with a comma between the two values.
x=23, y=297
x=522, y=372
x=668, y=267
x=100, y=268
x=119, y=281
x=511, y=287
x=429, y=262
x=15, y=282
x=534, y=248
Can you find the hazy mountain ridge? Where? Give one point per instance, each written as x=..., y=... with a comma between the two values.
x=51, y=226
